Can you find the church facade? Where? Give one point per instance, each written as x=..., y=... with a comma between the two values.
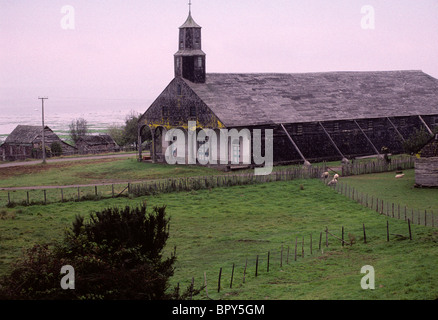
x=313, y=116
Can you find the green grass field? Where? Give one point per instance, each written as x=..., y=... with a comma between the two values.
x=400, y=191
x=217, y=228
x=94, y=172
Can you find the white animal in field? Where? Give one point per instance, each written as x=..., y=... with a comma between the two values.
x=332, y=182
x=336, y=176
x=325, y=175
x=399, y=176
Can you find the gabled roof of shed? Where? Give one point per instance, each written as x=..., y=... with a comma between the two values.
x=23, y=134
x=256, y=99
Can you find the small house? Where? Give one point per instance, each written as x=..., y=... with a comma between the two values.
x=426, y=166
x=101, y=143
x=26, y=142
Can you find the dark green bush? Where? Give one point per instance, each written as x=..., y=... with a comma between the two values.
x=117, y=254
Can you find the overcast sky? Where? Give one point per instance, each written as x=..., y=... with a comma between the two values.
x=119, y=55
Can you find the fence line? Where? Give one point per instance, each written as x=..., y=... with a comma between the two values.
x=153, y=187
x=388, y=208
x=97, y=192
x=264, y=263
x=378, y=166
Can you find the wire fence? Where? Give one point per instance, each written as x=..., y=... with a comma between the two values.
x=237, y=273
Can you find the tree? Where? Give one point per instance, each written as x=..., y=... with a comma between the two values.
x=127, y=135
x=118, y=254
x=417, y=140
x=78, y=128
x=56, y=149
x=117, y=133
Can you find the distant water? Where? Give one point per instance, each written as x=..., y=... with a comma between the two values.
x=59, y=121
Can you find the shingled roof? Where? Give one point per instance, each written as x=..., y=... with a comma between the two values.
x=24, y=134
x=255, y=99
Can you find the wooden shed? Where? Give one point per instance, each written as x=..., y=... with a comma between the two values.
x=426, y=166
x=94, y=144
x=26, y=142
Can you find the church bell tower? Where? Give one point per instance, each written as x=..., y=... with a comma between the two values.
x=190, y=59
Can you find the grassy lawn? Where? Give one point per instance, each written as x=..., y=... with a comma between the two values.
x=401, y=191
x=94, y=171
x=217, y=228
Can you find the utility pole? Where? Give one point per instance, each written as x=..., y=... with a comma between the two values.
x=44, y=143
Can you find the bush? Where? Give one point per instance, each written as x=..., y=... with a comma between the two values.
x=417, y=140
x=116, y=255
x=56, y=149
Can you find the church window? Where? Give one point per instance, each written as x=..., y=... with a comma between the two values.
x=164, y=111
x=199, y=62
x=192, y=111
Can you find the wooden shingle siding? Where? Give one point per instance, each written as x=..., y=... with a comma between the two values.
x=426, y=172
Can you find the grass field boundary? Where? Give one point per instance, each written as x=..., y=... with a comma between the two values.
x=388, y=208
x=232, y=273
x=402, y=162
x=42, y=196
x=52, y=194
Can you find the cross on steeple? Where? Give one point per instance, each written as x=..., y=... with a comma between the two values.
x=190, y=5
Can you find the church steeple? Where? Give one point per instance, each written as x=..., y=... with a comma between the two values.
x=190, y=59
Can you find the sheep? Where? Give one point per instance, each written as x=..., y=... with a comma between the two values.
x=336, y=176
x=325, y=175
x=399, y=176
x=332, y=182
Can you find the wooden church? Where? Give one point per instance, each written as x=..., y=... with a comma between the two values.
x=314, y=116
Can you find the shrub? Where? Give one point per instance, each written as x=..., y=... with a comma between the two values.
x=56, y=149
x=116, y=255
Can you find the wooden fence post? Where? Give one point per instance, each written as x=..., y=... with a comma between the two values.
x=364, y=234
x=257, y=266
x=219, y=281
x=232, y=275
x=342, y=236
x=387, y=230
x=45, y=197
x=410, y=233
x=268, y=261
x=320, y=240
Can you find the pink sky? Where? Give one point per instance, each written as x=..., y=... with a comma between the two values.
x=120, y=54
